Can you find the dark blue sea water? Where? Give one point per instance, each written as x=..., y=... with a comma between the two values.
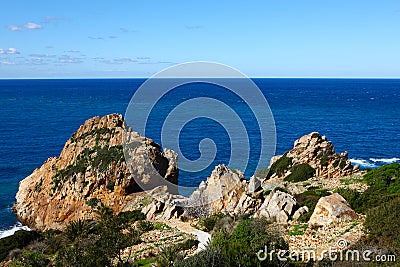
x=38, y=116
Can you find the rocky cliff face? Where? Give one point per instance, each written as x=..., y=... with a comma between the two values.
x=316, y=151
x=91, y=168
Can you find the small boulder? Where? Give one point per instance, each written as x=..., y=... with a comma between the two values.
x=299, y=212
x=333, y=208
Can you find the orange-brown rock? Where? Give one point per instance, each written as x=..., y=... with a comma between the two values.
x=90, y=168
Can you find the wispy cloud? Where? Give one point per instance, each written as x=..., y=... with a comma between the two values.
x=14, y=28
x=49, y=46
x=72, y=51
x=6, y=63
x=65, y=59
x=125, y=60
x=115, y=61
x=42, y=55
x=113, y=37
x=32, y=26
x=141, y=58
x=96, y=38
x=9, y=51
x=125, y=30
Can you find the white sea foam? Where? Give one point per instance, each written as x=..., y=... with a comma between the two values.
x=391, y=160
x=18, y=226
x=363, y=163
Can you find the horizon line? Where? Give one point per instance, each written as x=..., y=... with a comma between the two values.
x=256, y=77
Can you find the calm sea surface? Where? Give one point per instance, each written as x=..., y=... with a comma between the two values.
x=38, y=116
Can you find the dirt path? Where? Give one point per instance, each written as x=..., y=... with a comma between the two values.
x=203, y=237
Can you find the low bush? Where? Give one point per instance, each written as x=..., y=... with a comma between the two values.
x=300, y=172
x=382, y=223
x=250, y=236
x=280, y=166
x=19, y=239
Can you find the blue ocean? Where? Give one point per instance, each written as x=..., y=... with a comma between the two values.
x=360, y=116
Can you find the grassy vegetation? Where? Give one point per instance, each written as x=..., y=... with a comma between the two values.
x=83, y=243
x=98, y=158
x=280, y=166
x=19, y=240
x=384, y=185
x=97, y=133
x=298, y=229
x=300, y=172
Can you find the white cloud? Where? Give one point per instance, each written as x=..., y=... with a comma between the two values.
x=73, y=51
x=32, y=26
x=42, y=55
x=6, y=63
x=124, y=59
x=9, y=51
x=14, y=28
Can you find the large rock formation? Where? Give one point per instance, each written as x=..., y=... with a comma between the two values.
x=333, y=208
x=91, y=168
x=316, y=151
x=224, y=191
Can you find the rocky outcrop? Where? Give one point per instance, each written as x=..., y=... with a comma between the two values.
x=277, y=205
x=90, y=169
x=316, y=151
x=225, y=191
x=333, y=208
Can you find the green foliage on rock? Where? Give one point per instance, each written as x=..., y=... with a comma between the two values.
x=300, y=172
x=280, y=166
x=98, y=158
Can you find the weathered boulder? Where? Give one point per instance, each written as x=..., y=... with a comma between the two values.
x=333, y=208
x=254, y=184
x=90, y=168
x=278, y=205
x=225, y=191
x=300, y=212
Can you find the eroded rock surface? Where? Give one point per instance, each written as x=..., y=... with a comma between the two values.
x=91, y=168
x=329, y=209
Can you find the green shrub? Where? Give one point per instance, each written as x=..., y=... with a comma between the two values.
x=145, y=226
x=241, y=247
x=130, y=216
x=300, y=172
x=384, y=185
x=93, y=202
x=208, y=223
x=187, y=244
x=211, y=257
x=384, y=175
x=382, y=223
x=280, y=166
x=110, y=185
x=19, y=239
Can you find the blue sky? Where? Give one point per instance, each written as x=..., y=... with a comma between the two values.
x=72, y=39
